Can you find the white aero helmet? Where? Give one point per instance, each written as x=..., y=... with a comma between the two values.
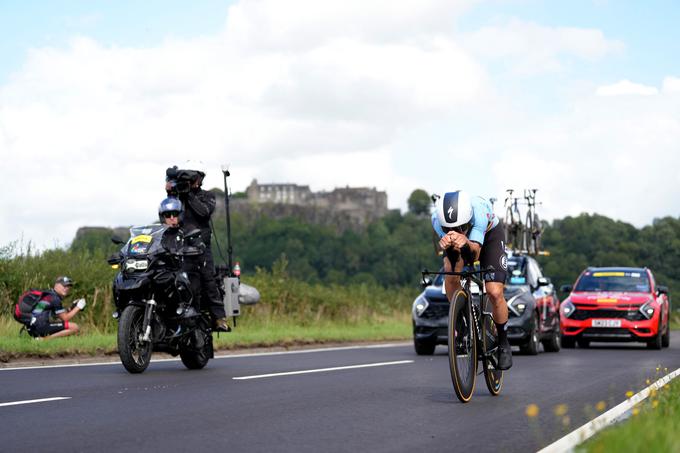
x=454, y=210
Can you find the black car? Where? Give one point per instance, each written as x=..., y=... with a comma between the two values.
x=533, y=309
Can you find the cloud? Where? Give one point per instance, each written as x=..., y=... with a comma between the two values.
x=530, y=48
x=625, y=88
x=88, y=129
x=671, y=85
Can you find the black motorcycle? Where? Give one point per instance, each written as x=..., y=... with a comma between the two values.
x=153, y=301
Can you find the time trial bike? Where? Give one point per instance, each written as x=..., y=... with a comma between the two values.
x=472, y=335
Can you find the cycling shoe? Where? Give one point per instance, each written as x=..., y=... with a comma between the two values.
x=504, y=357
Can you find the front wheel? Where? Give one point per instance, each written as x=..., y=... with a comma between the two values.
x=424, y=347
x=492, y=376
x=462, y=346
x=666, y=338
x=135, y=354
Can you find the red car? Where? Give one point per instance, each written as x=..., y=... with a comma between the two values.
x=615, y=304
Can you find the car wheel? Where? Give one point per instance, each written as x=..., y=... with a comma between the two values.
x=531, y=346
x=583, y=343
x=666, y=339
x=553, y=343
x=424, y=347
x=568, y=342
x=657, y=341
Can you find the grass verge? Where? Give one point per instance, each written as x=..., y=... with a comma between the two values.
x=652, y=426
x=284, y=333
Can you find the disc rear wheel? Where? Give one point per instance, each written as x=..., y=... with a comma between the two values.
x=492, y=376
x=462, y=346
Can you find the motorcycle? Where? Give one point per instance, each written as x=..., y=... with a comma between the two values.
x=153, y=300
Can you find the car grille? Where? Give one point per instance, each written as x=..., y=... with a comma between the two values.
x=606, y=332
x=631, y=315
x=436, y=311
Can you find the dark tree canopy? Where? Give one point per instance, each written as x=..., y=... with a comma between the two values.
x=419, y=202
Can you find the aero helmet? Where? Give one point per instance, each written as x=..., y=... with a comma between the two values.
x=454, y=210
x=170, y=204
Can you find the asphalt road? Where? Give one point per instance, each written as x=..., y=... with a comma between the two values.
x=401, y=402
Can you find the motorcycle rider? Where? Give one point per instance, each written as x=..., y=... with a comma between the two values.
x=199, y=205
x=170, y=213
x=468, y=228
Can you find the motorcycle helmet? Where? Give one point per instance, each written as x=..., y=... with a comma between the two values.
x=170, y=206
x=454, y=211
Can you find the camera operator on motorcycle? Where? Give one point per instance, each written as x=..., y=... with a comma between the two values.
x=185, y=184
x=469, y=231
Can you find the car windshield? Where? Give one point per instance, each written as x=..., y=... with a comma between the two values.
x=517, y=272
x=616, y=281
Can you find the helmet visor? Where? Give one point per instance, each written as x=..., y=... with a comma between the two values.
x=168, y=214
x=462, y=229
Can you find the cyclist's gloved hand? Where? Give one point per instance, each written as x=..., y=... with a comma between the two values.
x=80, y=303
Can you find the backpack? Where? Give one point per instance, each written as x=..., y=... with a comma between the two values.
x=26, y=304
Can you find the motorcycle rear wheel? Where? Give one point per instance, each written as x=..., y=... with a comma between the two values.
x=134, y=353
x=195, y=359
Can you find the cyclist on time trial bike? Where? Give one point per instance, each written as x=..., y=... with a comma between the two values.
x=468, y=228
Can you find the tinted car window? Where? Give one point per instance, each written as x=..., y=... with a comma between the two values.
x=613, y=281
x=517, y=271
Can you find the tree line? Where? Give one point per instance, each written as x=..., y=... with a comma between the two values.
x=392, y=251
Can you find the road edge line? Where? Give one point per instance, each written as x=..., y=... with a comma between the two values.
x=586, y=431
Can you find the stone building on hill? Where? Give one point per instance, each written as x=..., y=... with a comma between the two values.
x=346, y=207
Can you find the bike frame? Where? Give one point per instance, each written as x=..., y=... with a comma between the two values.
x=477, y=308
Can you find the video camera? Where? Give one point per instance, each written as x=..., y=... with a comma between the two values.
x=180, y=181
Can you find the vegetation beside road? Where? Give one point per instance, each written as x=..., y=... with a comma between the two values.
x=291, y=311
x=651, y=427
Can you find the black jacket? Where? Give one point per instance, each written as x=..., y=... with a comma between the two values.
x=199, y=206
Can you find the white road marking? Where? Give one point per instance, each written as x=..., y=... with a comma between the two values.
x=580, y=435
x=323, y=370
x=225, y=356
x=43, y=400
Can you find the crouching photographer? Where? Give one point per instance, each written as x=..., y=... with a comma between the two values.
x=199, y=205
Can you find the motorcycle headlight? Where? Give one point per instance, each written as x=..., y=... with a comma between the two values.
x=136, y=265
x=420, y=305
x=647, y=309
x=568, y=308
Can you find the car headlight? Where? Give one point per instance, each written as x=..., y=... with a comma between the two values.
x=136, y=265
x=647, y=309
x=568, y=308
x=517, y=305
x=419, y=306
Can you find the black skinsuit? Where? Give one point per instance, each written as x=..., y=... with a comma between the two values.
x=198, y=207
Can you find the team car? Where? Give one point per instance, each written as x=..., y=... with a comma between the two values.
x=533, y=309
x=615, y=304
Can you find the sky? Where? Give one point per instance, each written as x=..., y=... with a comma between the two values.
x=579, y=99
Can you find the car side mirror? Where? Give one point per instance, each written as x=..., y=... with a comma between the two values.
x=425, y=282
x=543, y=281
x=661, y=289
x=566, y=288
x=117, y=240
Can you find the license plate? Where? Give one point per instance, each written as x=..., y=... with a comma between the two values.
x=606, y=323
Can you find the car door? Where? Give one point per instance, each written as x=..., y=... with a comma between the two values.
x=543, y=294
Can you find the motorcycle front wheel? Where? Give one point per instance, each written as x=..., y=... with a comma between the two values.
x=135, y=354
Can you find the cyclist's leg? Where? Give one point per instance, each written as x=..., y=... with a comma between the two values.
x=493, y=254
x=452, y=282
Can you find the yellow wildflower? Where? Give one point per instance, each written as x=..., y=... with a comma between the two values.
x=532, y=410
